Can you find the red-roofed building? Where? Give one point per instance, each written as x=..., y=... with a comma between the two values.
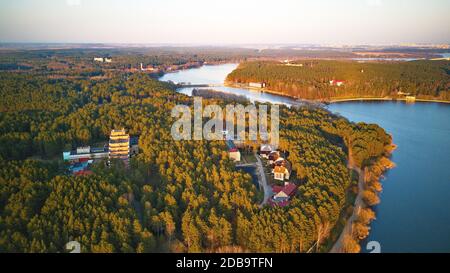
x=277, y=189
x=336, y=82
x=84, y=172
x=288, y=189
x=282, y=194
x=234, y=154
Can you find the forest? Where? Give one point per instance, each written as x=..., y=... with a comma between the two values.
x=310, y=79
x=177, y=196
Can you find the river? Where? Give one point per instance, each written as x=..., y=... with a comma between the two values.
x=414, y=213
x=216, y=74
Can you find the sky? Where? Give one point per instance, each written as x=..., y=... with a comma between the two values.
x=226, y=21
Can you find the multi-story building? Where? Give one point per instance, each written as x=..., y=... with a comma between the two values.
x=119, y=145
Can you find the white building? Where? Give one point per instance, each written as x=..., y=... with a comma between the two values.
x=265, y=150
x=84, y=150
x=234, y=154
x=257, y=84
x=102, y=60
x=280, y=173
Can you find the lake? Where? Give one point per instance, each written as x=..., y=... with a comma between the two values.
x=216, y=74
x=414, y=213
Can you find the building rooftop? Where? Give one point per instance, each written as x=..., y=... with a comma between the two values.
x=118, y=132
x=288, y=189
x=266, y=148
x=230, y=144
x=134, y=140
x=279, y=169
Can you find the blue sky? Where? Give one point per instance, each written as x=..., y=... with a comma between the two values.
x=226, y=21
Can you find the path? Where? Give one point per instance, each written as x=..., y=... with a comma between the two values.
x=359, y=203
x=263, y=181
x=246, y=165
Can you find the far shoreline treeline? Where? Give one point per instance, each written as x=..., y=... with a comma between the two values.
x=332, y=81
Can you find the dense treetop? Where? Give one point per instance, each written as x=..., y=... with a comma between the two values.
x=177, y=195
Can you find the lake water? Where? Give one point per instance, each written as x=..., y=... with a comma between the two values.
x=385, y=59
x=216, y=74
x=414, y=213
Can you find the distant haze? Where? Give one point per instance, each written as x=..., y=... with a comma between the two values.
x=225, y=21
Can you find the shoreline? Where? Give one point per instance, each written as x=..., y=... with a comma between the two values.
x=386, y=99
x=279, y=93
x=347, y=230
x=359, y=203
x=346, y=233
x=351, y=218
x=333, y=100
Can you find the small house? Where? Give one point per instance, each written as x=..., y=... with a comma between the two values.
x=410, y=98
x=283, y=193
x=336, y=83
x=234, y=154
x=265, y=150
x=273, y=156
x=280, y=173
x=257, y=84
x=280, y=161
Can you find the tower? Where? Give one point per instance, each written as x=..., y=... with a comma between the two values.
x=119, y=145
